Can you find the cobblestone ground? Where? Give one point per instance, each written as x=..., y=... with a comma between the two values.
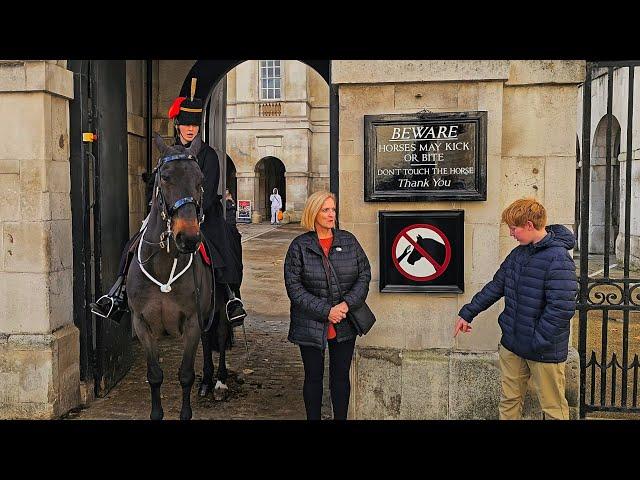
x=265, y=384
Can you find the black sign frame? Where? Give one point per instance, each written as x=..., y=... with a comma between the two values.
x=455, y=241
x=479, y=118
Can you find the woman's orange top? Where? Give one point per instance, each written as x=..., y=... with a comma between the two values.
x=325, y=243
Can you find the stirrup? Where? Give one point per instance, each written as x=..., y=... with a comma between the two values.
x=97, y=302
x=236, y=320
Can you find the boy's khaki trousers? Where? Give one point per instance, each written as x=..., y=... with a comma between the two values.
x=548, y=380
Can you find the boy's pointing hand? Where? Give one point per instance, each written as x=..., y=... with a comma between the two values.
x=461, y=326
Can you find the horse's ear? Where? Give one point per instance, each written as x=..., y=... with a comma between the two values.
x=196, y=145
x=160, y=143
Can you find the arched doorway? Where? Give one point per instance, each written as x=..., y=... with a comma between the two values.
x=599, y=185
x=269, y=175
x=212, y=88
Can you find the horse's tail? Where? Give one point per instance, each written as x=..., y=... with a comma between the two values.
x=229, y=334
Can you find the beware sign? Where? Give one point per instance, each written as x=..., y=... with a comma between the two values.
x=422, y=251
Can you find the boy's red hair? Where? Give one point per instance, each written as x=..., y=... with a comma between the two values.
x=523, y=210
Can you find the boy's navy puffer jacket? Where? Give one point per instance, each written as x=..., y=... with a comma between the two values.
x=538, y=282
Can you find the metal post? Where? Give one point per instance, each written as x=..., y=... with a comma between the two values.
x=607, y=236
x=627, y=237
x=584, y=231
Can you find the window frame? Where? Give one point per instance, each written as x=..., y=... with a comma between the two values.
x=264, y=91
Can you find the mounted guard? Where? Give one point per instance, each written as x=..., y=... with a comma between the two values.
x=222, y=242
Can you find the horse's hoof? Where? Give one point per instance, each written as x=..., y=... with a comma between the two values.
x=186, y=414
x=221, y=392
x=204, y=389
x=157, y=415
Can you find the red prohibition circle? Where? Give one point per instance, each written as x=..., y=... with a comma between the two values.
x=439, y=271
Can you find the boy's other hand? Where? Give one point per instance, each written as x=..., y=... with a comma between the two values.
x=461, y=326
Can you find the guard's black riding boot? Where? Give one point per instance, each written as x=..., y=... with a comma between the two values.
x=113, y=304
x=235, y=308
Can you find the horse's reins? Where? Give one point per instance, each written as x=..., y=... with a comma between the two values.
x=167, y=214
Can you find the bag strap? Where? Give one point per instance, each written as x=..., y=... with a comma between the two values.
x=335, y=275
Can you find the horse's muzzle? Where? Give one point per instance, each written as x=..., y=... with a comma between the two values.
x=188, y=243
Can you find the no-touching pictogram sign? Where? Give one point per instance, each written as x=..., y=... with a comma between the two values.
x=421, y=252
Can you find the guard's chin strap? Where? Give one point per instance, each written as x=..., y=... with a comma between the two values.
x=164, y=287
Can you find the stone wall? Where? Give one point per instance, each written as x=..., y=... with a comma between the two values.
x=39, y=345
x=411, y=355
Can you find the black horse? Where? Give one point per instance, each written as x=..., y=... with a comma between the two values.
x=217, y=332
x=170, y=288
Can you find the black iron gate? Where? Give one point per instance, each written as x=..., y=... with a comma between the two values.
x=100, y=213
x=609, y=298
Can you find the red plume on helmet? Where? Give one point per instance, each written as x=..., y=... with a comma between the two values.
x=174, y=110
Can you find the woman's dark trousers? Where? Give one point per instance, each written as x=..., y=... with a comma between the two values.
x=340, y=354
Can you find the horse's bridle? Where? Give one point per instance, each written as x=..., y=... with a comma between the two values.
x=167, y=212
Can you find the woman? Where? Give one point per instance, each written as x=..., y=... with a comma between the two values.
x=276, y=204
x=318, y=312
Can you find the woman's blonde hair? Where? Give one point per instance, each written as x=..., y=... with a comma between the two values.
x=311, y=208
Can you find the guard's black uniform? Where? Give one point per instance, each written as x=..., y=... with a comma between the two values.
x=223, y=239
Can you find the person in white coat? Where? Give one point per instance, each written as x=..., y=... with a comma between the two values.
x=276, y=204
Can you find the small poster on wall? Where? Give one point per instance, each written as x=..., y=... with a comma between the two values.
x=244, y=211
x=422, y=251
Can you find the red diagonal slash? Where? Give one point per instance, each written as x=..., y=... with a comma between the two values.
x=423, y=252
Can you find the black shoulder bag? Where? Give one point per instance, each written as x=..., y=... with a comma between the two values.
x=362, y=318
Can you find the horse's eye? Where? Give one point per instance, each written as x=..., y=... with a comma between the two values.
x=165, y=178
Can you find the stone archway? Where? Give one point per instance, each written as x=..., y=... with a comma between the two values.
x=211, y=75
x=270, y=174
x=597, y=194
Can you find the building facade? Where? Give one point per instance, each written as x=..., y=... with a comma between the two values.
x=409, y=366
x=277, y=133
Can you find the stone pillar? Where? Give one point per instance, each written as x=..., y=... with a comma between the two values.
x=597, y=204
x=39, y=345
x=318, y=181
x=409, y=366
x=297, y=193
x=634, y=238
x=246, y=187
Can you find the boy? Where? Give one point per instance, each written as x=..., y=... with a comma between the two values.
x=538, y=281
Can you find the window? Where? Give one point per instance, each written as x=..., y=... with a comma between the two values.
x=270, y=80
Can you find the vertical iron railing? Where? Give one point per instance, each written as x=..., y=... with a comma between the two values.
x=584, y=238
x=608, y=293
x=627, y=240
